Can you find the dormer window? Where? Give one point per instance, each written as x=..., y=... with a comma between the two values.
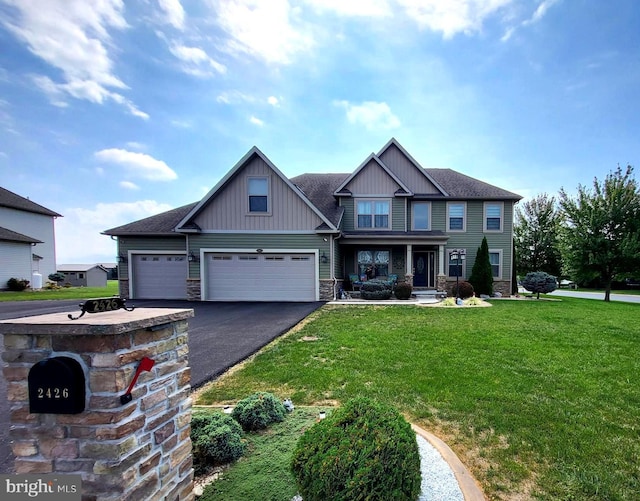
x=373, y=213
x=258, y=191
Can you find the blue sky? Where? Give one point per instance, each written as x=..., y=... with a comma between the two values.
x=111, y=111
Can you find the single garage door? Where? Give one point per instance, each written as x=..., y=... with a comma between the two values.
x=159, y=276
x=261, y=277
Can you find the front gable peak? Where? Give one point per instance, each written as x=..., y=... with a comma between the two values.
x=373, y=171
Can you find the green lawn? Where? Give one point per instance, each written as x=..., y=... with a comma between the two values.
x=63, y=293
x=540, y=399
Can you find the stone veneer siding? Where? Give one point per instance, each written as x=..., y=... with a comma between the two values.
x=138, y=451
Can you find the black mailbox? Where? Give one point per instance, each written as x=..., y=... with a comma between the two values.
x=56, y=386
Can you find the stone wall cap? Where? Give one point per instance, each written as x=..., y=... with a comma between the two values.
x=107, y=323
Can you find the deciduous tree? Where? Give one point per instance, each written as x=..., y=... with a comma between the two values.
x=601, y=235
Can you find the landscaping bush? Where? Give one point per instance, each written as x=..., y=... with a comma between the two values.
x=539, y=281
x=375, y=290
x=17, y=285
x=217, y=439
x=258, y=411
x=56, y=277
x=403, y=290
x=465, y=290
x=363, y=450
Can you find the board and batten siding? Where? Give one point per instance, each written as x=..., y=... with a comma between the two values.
x=229, y=209
x=372, y=180
x=15, y=262
x=408, y=173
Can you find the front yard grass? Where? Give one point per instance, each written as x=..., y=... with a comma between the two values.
x=62, y=293
x=540, y=399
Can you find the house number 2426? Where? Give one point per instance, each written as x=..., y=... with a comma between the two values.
x=53, y=393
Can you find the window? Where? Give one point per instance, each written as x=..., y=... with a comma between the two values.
x=495, y=258
x=422, y=216
x=373, y=213
x=373, y=264
x=493, y=216
x=456, y=213
x=258, y=189
x=80, y=275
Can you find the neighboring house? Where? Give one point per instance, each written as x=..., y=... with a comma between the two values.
x=84, y=275
x=27, y=238
x=260, y=236
x=112, y=270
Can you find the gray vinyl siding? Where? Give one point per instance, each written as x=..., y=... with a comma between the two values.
x=229, y=210
x=259, y=241
x=372, y=180
x=408, y=173
x=398, y=214
x=156, y=244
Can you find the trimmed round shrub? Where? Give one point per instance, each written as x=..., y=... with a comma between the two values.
x=539, y=282
x=465, y=288
x=363, y=450
x=258, y=411
x=16, y=285
x=217, y=440
x=375, y=290
x=403, y=290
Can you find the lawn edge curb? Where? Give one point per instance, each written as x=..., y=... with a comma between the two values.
x=468, y=484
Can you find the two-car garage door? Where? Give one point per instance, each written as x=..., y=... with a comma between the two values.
x=260, y=277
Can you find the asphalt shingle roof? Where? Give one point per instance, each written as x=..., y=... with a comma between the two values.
x=319, y=188
x=14, y=201
x=459, y=185
x=13, y=236
x=160, y=224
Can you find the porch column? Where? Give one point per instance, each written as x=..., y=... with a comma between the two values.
x=441, y=268
x=409, y=270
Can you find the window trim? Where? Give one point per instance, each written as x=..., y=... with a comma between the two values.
x=500, y=263
x=373, y=227
x=413, y=216
x=485, y=229
x=464, y=217
x=268, y=195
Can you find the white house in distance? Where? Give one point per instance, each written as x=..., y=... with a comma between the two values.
x=27, y=238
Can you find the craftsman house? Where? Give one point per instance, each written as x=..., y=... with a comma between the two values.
x=260, y=236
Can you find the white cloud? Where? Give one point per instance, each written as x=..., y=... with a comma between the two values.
x=128, y=185
x=196, y=61
x=138, y=164
x=256, y=121
x=235, y=97
x=271, y=31
x=78, y=238
x=73, y=37
x=354, y=8
x=273, y=101
x=173, y=13
x=541, y=11
x=181, y=124
x=452, y=16
x=136, y=145
x=371, y=114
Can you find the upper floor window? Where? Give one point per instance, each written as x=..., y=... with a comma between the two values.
x=422, y=216
x=258, y=191
x=493, y=216
x=373, y=213
x=456, y=216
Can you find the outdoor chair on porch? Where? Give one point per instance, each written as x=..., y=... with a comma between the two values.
x=392, y=280
x=355, y=281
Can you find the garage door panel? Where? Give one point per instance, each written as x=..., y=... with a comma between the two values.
x=161, y=276
x=261, y=277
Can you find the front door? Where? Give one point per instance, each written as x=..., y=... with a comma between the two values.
x=424, y=269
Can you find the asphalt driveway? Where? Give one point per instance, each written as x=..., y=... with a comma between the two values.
x=220, y=336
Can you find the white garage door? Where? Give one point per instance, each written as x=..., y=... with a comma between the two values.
x=159, y=276
x=261, y=277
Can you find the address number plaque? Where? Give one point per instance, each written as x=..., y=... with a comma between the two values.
x=100, y=305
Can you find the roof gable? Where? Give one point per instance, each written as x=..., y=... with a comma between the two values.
x=13, y=236
x=378, y=173
x=188, y=223
x=409, y=170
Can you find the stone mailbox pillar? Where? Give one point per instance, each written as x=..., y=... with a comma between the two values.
x=133, y=448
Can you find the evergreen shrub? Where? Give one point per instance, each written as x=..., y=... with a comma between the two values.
x=258, y=411
x=375, y=290
x=539, y=282
x=17, y=285
x=465, y=289
x=217, y=440
x=482, y=274
x=363, y=450
x=403, y=290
